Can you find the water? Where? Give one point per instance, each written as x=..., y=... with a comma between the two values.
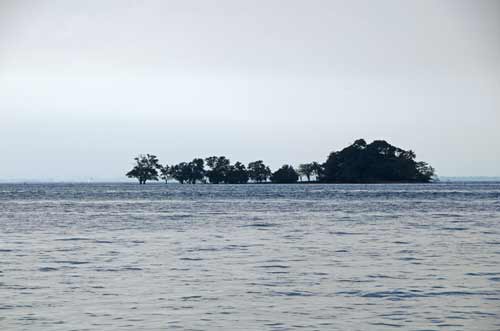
x=250, y=257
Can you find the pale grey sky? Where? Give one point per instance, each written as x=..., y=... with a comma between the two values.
x=87, y=85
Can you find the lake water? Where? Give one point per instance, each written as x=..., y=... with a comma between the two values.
x=250, y=257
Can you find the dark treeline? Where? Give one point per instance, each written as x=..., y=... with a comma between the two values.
x=357, y=163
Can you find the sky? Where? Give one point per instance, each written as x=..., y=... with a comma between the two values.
x=85, y=86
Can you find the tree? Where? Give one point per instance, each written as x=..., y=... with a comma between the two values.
x=285, y=174
x=146, y=168
x=236, y=174
x=165, y=173
x=219, y=166
x=306, y=169
x=181, y=172
x=317, y=169
x=197, y=170
x=258, y=171
x=375, y=162
x=425, y=172
x=191, y=172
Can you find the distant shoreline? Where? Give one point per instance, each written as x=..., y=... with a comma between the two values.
x=441, y=181
x=360, y=162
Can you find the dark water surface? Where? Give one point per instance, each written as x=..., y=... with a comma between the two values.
x=250, y=257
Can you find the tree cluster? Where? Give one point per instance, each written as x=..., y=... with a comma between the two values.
x=357, y=163
x=375, y=162
x=146, y=168
x=214, y=169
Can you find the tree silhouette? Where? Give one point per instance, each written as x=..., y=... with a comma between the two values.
x=310, y=169
x=181, y=172
x=375, y=162
x=219, y=166
x=145, y=168
x=258, y=171
x=165, y=173
x=236, y=174
x=424, y=171
x=357, y=163
x=197, y=170
x=317, y=169
x=285, y=174
x=306, y=169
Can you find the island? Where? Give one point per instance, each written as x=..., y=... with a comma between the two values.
x=377, y=162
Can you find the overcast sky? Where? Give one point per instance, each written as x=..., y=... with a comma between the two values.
x=87, y=85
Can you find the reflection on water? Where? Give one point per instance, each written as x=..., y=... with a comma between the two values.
x=250, y=257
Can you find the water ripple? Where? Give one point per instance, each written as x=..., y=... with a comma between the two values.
x=250, y=257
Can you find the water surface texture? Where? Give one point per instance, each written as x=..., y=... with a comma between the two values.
x=250, y=257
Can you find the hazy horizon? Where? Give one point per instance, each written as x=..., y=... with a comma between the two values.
x=86, y=86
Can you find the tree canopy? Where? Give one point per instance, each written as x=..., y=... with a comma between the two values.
x=285, y=175
x=375, y=162
x=188, y=172
x=165, y=173
x=309, y=169
x=236, y=174
x=218, y=169
x=258, y=171
x=146, y=168
x=357, y=163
